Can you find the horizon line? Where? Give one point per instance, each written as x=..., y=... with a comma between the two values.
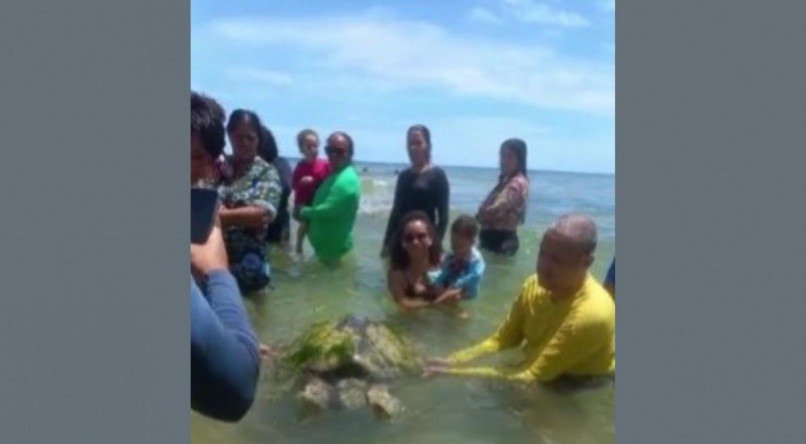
x=544, y=170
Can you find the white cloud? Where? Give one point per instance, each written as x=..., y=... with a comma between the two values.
x=543, y=14
x=261, y=75
x=406, y=54
x=483, y=15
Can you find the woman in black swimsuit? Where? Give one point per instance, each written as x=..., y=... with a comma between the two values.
x=414, y=252
x=423, y=186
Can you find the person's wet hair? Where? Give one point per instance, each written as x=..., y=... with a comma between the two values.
x=465, y=226
x=305, y=133
x=268, y=148
x=250, y=118
x=422, y=129
x=207, y=120
x=518, y=147
x=399, y=257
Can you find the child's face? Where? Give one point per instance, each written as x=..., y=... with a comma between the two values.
x=310, y=147
x=461, y=245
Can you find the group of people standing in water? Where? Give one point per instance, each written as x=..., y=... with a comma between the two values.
x=563, y=318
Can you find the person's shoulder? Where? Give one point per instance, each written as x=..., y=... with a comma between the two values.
x=476, y=256
x=531, y=286
x=596, y=301
x=347, y=179
x=352, y=173
x=262, y=166
x=520, y=182
x=395, y=274
x=592, y=287
x=438, y=171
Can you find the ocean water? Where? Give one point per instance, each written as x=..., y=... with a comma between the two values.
x=442, y=409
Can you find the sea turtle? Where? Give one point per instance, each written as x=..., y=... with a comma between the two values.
x=349, y=363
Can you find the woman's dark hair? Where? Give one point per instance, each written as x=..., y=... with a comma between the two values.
x=207, y=120
x=305, y=133
x=518, y=147
x=399, y=257
x=248, y=117
x=466, y=226
x=422, y=129
x=268, y=147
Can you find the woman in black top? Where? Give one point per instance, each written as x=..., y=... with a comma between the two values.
x=423, y=186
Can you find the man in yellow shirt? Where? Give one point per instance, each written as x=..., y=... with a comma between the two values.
x=563, y=319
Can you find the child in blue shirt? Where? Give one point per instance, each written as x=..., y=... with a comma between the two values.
x=461, y=270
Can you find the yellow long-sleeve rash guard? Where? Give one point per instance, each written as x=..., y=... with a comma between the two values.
x=575, y=336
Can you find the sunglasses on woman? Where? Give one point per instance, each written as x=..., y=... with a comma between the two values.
x=335, y=151
x=410, y=237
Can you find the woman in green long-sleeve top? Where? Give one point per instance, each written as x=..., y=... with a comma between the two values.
x=331, y=215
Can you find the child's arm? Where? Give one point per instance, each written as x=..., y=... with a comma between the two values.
x=449, y=295
x=469, y=282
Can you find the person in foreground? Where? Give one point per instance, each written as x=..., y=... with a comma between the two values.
x=331, y=215
x=563, y=319
x=224, y=351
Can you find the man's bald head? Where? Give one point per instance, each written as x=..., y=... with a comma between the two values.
x=566, y=253
x=578, y=229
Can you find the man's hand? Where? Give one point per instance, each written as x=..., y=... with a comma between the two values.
x=212, y=255
x=269, y=353
x=436, y=366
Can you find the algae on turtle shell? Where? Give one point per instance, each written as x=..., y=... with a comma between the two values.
x=341, y=362
x=353, y=347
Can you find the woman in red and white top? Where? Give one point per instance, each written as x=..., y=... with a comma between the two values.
x=505, y=207
x=309, y=173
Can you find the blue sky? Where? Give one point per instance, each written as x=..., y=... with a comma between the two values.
x=475, y=72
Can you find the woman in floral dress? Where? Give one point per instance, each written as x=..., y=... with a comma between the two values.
x=250, y=197
x=505, y=207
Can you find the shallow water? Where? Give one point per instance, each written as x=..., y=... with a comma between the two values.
x=443, y=409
